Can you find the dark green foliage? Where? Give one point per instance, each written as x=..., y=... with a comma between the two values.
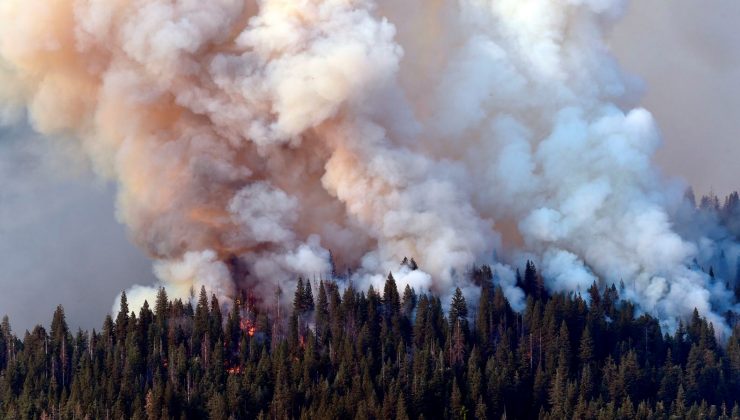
x=362, y=354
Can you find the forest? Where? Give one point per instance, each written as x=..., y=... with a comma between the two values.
x=343, y=353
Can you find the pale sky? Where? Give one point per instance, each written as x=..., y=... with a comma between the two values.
x=688, y=54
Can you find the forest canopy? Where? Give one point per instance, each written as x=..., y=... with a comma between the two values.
x=342, y=353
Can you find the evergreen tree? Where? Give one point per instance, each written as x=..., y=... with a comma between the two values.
x=202, y=319
x=299, y=298
x=391, y=299
x=308, y=303
x=122, y=317
x=409, y=300
x=459, y=310
x=322, y=314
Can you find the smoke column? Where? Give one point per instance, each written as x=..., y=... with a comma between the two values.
x=272, y=132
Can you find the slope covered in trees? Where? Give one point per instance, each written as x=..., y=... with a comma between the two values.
x=345, y=354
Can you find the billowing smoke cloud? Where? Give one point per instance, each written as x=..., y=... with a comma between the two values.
x=265, y=134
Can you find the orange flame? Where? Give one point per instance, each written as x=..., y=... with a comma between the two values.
x=236, y=370
x=248, y=327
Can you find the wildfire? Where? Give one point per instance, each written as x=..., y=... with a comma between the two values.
x=248, y=327
x=236, y=370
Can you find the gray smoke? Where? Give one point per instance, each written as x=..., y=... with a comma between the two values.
x=274, y=132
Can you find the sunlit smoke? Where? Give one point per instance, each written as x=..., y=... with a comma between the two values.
x=252, y=141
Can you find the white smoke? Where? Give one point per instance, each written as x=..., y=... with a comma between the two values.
x=274, y=131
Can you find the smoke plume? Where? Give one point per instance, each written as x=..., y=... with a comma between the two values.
x=283, y=136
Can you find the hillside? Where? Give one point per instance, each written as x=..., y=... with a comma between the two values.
x=344, y=354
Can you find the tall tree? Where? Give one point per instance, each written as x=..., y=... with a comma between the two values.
x=391, y=298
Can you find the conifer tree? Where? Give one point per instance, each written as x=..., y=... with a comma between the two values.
x=322, y=314
x=391, y=299
x=299, y=299
x=409, y=300
x=308, y=303
x=122, y=317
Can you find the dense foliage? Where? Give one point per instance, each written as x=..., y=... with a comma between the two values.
x=345, y=354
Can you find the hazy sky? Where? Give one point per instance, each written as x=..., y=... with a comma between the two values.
x=60, y=242
x=688, y=54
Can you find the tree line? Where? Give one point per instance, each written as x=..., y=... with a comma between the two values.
x=342, y=353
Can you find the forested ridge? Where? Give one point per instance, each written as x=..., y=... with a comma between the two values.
x=345, y=353
x=379, y=354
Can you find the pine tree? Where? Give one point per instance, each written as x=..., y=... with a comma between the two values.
x=161, y=307
x=557, y=394
x=61, y=348
x=401, y=410
x=232, y=333
x=391, y=299
x=586, y=348
x=215, y=329
x=678, y=409
x=456, y=403
x=122, y=318
x=459, y=310
x=202, y=319
x=308, y=303
x=484, y=322
x=586, y=382
x=322, y=314
x=299, y=299
x=409, y=300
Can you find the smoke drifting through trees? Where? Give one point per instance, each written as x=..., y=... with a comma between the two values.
x=263, y=135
